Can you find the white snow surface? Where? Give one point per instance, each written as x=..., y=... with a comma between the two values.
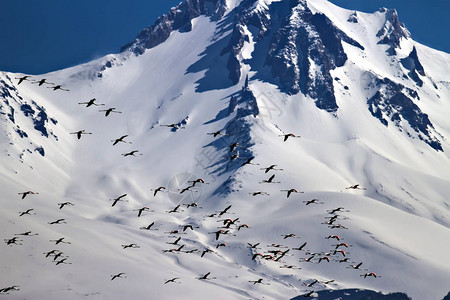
x=398, y=226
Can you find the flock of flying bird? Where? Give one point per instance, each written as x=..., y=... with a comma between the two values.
x=275, y=253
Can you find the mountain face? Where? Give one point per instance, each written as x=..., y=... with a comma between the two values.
x=305, y=145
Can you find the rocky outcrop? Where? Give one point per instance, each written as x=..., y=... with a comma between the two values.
x=392, y=104
x=413, y=65
x=392, y=31
x=178, y=18
x=304, y=51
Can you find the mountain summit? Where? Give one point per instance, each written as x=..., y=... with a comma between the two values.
x=253, y=149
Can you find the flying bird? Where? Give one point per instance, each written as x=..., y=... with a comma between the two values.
x=61, y=205
x=21, y=79
x=41, y=82
x=131, y=153
x=290, y=191
x=27, y=212
x=60, y=240
x=121, y=139
x=118, y=199
x=270, y=180
x=171, y=280
x=272, y=167
x=120, y=275
x=312, y=201
x=355, y=187
x=24, y=194
x=59, y=221
x=149, y=226
x=57, y=87
x=79, y=133
x=110, y=110
x=159, y=189
x=215, y=134
x=286, y=136
x=91, y=102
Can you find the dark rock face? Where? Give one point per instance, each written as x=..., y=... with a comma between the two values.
x=353, y=18
x=392, y=31
x=413, y=65
x=304, y=51
x=238, y=131
x=10, y=99
x=356, y=294
x=390, y=101
x=178, y=18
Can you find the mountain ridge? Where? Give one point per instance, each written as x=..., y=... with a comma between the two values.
x=384, y=129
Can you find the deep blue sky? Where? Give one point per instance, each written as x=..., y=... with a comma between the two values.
x=38, y=36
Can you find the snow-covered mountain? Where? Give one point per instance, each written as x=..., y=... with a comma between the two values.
x=367, y=107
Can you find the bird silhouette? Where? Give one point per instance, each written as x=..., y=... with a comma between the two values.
x=259, y=281
x=80, y=132
x=371, y=274
x=175, y=209
x=285, y=236
x=224, y=211
x=118, y=199
x=149, y=226
x=206, y=251
x=355, y=187
x=242, y=226
x=109, y=111
x=249, y=162
x=270, y=180
x=59, y=241
x=198, y=180
x=270, y=168
x=221, y=245
x=324, y=258
x=301, y=247
x=120, y=275
x=253, y=246
x=159, y=189
x=61, y=205
x=307, y=295
x=41, y=82
x=215, y=134
x=121, y=139
x=27, y=212
x=356, y=267
x=6, y=290
x=21, y=79
x=312, y=201
x=24, y=194
x=53, y=252
x=175, y=242
x=91, y=102
x=58, y=87
x=259, y=193
x=133, y=246
x=27, y=233
x=63, y=261
x=141, y=210
x=171, y=280
x=131, y=153
x=289, y=135
x=311, y=283
x=13, y=241
x=173, y=125
x=290, y=191
x=333, y=237
x=174, y=250
x=205, y=277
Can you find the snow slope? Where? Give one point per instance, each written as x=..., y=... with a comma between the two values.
x=398, y=226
